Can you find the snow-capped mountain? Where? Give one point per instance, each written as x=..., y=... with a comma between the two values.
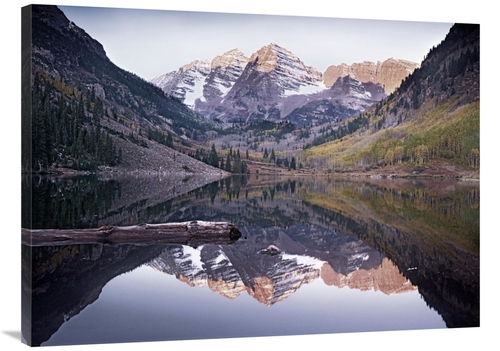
x=272, y=74
x=273, y=278
x=225, y=69
x=267, y=279
x=186, y=84
x=273, y=83
x=202, y=81
x=289, y=73
x=235, y=86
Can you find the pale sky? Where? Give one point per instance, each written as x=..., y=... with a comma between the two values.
x=153, y=42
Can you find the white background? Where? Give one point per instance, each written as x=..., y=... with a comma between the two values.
x=482, y=12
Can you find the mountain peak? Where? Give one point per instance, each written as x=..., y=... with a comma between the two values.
x=235, y=52
x=272, y=56
x=232, y=57
x=266, y=58
x=54, y=18
x=196, y=64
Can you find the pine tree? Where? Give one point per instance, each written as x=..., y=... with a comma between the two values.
x=169, y=141
x=272, y=158
x=213, y=158
x=228, y=164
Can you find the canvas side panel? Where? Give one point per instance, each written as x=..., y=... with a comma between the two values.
x=26, y=166
x=26, y=96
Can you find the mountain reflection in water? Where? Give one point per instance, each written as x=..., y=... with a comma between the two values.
x=272, y=279
x=388, y=236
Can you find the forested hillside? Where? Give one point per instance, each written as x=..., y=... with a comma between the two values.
x=431, y=120
x=58, y=135
x=82, y=112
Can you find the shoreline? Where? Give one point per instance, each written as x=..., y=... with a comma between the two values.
x=279, y=174
x=434, y=171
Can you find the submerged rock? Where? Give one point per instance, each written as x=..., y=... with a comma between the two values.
x=270, y=250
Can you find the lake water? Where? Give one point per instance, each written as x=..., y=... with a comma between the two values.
x=355, y=255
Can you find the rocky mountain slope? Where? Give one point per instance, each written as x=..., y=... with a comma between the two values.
x=80, y=111
x=343, y=99
x=389, y=73
x=202, y=84
x=272, y=74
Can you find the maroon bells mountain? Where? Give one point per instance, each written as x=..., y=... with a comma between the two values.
x=274, y=84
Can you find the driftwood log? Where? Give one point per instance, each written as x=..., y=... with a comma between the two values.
x=193, y=233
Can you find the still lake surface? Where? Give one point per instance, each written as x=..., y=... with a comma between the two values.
x=356, y=255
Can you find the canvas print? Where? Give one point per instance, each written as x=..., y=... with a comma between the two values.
x=190, y=175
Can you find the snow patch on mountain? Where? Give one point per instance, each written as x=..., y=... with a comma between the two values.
x=194, y=92
x=222, y=258
x=303, y=260
x=186, y=84
x=195, y=256
x=306, y=89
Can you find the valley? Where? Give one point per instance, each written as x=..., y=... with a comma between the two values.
x=266, y=113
